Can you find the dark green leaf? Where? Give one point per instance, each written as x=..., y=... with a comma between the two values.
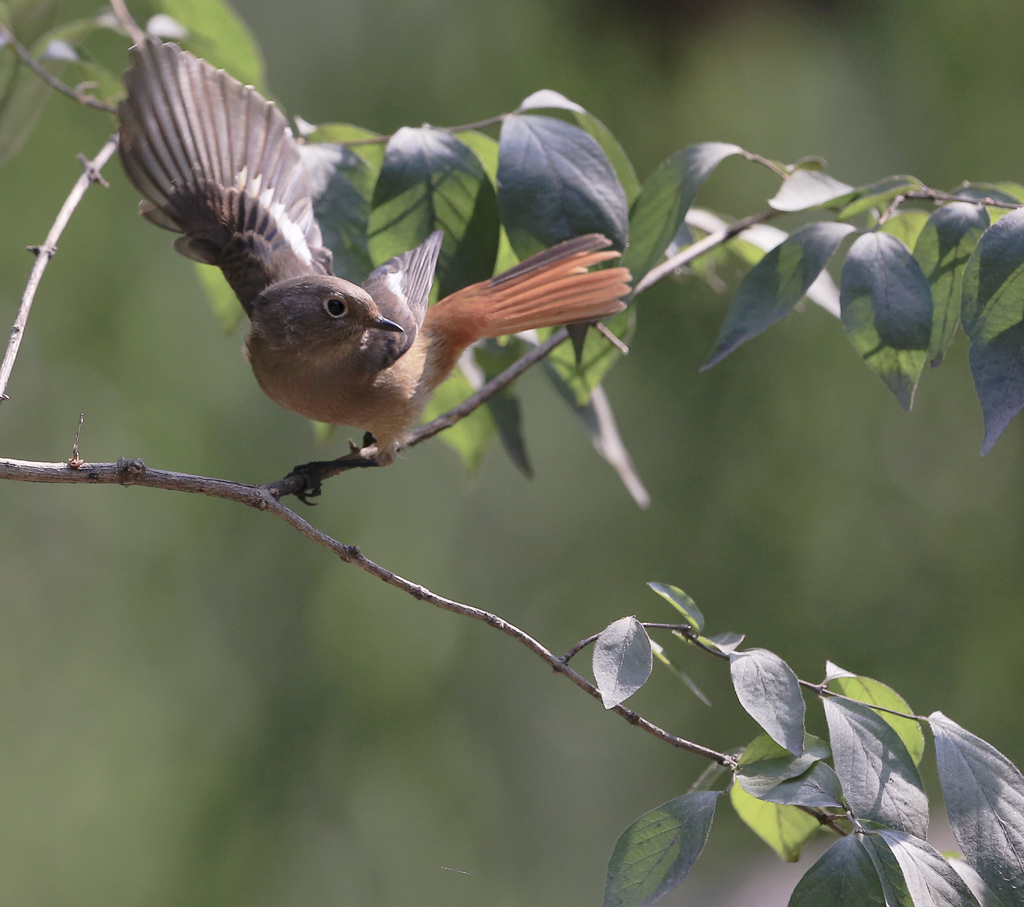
x=942, y=250
x=844, y=876
x=984, y=795
x=218, y=34
x=991, y=310
x=658, y=850
x=768, y=690
x=344, y=184
x=810, y=189
x=682, y=603
x=785, y=829
x=873, y=692
x=816, y=787
x=493, y=357
x=889, y=873
x=880, y=781
x=555, y=182
x=776, y=283
x=430, y=180
x=546, y=98
x=658, y=213
x=622, y=660
x=887, y=311
x=930, y=880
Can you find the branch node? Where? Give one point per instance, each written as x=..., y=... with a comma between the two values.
x=130, y=472
x=91, y=171
x=47, y=249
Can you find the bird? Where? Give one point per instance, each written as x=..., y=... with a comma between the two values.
x=217, y=162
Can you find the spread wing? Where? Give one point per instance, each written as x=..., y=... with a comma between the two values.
x=218, y=163
x=401, y=289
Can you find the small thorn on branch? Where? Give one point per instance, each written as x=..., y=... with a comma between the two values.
x=76, y=462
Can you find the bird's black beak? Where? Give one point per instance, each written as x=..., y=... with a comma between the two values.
x=385, y=324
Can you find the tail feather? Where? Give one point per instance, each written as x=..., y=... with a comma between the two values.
x=554, y=287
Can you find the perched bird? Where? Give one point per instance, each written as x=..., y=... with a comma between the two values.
x=217, y=163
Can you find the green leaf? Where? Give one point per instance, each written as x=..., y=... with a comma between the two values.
x=555, y=182
x=470, y=436
x=776, y=283
x=659, y=212
x=622, y=660
x=930, y=880
x=763, y=756
x=598, y=420
x=658, y=850
x=880, y=781
x=493, y=357
x=430, y=180
x=887, y=311
x=682, y=603
x=785, y=829
x=725, y=642
x=546, y=98
x=878, y=196
x=581, y=369
x=344, y=184
x=218, y=34
x=992, y=313
x=769, y=691
x=943, y=250
x=906, y=226
x=844, y=876
x=810, y=189
x=875, y=693
x=984, y=795
x=369, y=145
x=818, y=786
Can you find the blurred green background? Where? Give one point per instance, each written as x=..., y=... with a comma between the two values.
x=200, y=707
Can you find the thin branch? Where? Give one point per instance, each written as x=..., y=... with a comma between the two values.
x=135, y=472
x=45, y=252
x=48, y=77
x=935, y=195
x=701, y=247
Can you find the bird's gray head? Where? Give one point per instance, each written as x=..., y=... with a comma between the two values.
x=316, y=314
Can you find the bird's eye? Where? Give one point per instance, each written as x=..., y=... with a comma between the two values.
x=335, y=307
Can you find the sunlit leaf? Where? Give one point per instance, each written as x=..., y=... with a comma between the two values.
x=785, y=829
x=776, y=283
x=622, y=660
x=810, y=189
x=880, y=781
x=877, y=196
x=943, y=250
x=682, y=603
x=430, y=180
x=658, y=213
x=469, y=437
x=555, y=182
x=984, y=795
x=887, y=311
x=769, y=691
x=992, y=313
x=873, y=692
x=658, y=850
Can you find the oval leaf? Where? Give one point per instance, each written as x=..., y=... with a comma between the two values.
x=844, y=876
x=873, y=692
x=809, y=189
x=659, y=212
x=785, y=829
x=930, y=880
x=657, y=851
x=887, y=311
x=984, y=795
x=770, y=692
x=816, y=787
x=991, y=311
x=682, y=603
x=555, y=182
x=622, y=660
x=776, y=283
x=430, y=180
x=943, y=249
x=880, y=781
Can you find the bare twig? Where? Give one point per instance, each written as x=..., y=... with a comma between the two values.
x=935, y=195
x=137, y=35
x=49, y=78
x=45, y=252
x=135, y=472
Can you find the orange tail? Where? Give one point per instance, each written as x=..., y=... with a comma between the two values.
x=553, y=287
